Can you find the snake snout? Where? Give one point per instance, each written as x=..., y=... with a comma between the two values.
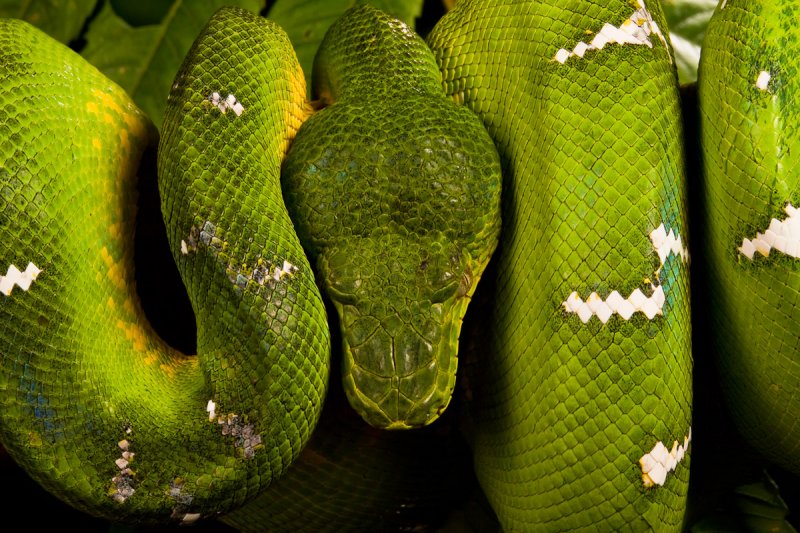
x=400, y=302
x=399, y=373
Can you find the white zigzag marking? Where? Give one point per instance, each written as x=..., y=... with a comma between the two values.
x=228, y=103
x=660, y=461
x=21, y=279
x=122, y=481
x=635, y=30
x=664, y=244
x=286, y=270
x=763, y=80
x=615, y=303
x=782, y=235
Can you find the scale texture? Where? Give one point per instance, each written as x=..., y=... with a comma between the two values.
x=566, y=409
x=580, y=404
x=395, y=191
x=748, y=80
x=92, y=403
x=352, y=477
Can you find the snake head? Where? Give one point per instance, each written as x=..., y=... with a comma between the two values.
x=400, y=302
x=400, y=225
x=394, y=191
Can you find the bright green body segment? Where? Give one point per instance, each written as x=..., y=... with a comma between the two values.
x=748, y=82
x=395, y=191
x=581, y=403
x=92, y=403
x=567, y=411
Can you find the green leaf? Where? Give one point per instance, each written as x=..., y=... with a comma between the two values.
x=141, y=12
x=145, y=59
x=687, y=21
x=306, y=21
x=61, y=19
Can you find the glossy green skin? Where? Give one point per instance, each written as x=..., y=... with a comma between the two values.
x=562, y=410
x=751, y=146
x=92, y=403
x=395, y=192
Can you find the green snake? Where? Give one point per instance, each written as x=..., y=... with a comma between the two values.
x=582, y=410
x=177, y=432
x=747, y=92
x=579, y=374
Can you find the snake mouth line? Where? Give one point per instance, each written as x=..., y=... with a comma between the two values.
x=406, y=391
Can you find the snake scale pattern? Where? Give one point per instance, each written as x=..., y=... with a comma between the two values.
x=748, y=116
x=548, y=129
x=578, y=386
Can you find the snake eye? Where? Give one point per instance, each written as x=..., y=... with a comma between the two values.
x=442, y=271
x=443, y=283
x=342, y=276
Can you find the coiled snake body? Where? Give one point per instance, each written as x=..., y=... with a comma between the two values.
x=92, y=400
x=747, y=91
x=580, y=405
x=583, y=381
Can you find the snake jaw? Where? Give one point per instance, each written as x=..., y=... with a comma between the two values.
x=397, y=377
x=401, y=302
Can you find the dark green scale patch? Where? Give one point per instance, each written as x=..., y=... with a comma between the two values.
x=394, y=191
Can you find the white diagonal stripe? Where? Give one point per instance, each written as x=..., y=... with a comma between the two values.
x=667, y=243
x=230, y=102
x=660, y=461
x=782, y=235
x=635, y=30
x=14, y=277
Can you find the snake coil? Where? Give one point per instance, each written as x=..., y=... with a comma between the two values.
x=579, y=400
